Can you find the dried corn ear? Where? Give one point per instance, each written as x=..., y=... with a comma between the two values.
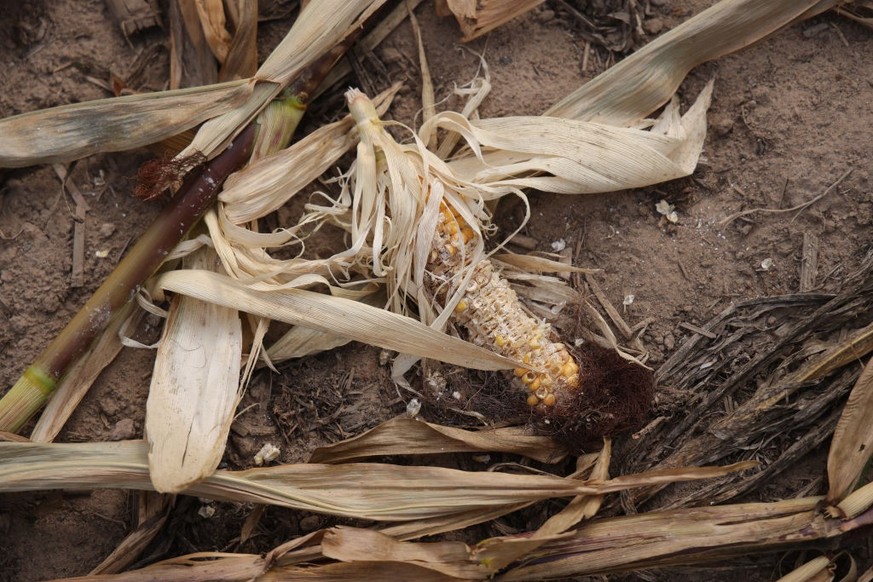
x=422, y=227
x=492, y=316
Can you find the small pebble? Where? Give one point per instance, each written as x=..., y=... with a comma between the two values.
x=124, y=430
x=653, y=25
x=669, y=341
x=107, y=229
x=310, y=523
x=391, y=55
x=546, y=16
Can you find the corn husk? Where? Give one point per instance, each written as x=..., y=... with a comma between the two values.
x=194, y=388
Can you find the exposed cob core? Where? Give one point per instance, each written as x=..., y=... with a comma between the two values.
x=493, y=316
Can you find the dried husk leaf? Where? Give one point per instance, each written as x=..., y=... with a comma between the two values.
x=194, y=386
x=647, y=79
x=70, y=132
x=335, y=315
x=406, y=436
x=478, y=17
x=577, y=157
x=362, y=545
x=852, y=443
x=213, y=24
x=266, y=185
x=363, y=490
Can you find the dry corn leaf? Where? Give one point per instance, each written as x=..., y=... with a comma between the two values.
x=852, y=443
x=647, y=79
x=242, y=58
x=194, y=385
x=812, y=571
x=362, y=545
x=335, y=315
x=478, y=17
x=191, y=61
x=319, y=28
x=683, y=536
x=214, y=26
x=362, y=490
x=69, y=132
x=406, y=436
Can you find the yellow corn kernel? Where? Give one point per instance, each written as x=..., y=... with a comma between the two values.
x=532, y=400
x=500, y=341
x=534, y=386
x=519, y=372
x=451, y=249
x=550, y=400
x=569, y=370
x=534, y=344
x=462, y=307
x=526, y=358
x=528, y=377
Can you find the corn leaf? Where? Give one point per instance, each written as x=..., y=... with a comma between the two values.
x=363, y=490
x=406, y=436
x=577, y=157
x=647, y=79
x=69, y=132
x=852, y=443
x=335, y=315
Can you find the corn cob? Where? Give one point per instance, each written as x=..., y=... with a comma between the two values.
x=492, y=316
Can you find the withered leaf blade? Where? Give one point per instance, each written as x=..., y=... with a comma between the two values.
x=361, y=545
x=334, y=315
x=406, y=436
x=852, y=444
x=70, y=132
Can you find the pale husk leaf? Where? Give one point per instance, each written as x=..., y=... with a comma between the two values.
x=480, y=17
x=213, y=24
x=194, y=385
x=70, y=132
x=334, y=315
x=647, y=79
x=810, y=571
x=266, y=185
x=577, y=157
x=361, y=545
x=852, y=443
x=406, y=436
